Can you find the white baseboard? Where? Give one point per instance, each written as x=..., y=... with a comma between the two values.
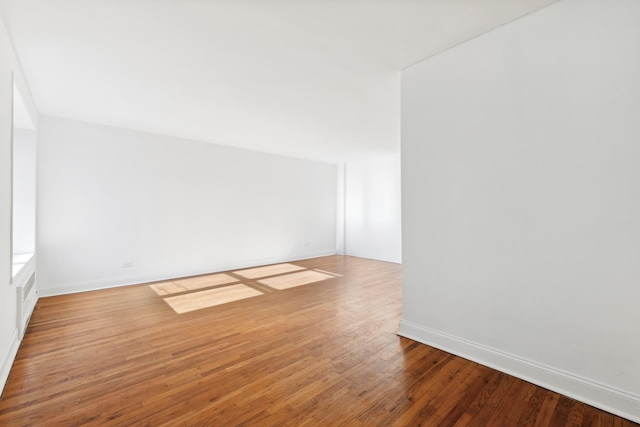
x=612, y=400
x=394, y=260
x=8, y=357
x=93, y=285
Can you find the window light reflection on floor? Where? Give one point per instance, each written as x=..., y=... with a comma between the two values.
x=192, y=283
x=292, y=280
x=210, y=297
x=233, y=286
x=269, y=270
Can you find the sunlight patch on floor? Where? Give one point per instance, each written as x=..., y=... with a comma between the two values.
x=211, y=297
x=235, y=285
x=269, y=270
x=192, y=283
x=295, y=279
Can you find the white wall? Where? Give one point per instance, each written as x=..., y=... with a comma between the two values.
x=173, y=207
x=340, y=209
x=521, y=207
x=9, y=65
x=24, y=191
x=373, y=209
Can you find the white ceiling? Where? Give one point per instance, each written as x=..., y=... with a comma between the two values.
x=317, y=79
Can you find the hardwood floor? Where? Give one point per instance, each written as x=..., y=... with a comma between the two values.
x=308, y=343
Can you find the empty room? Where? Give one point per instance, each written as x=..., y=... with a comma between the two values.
x=319, y=213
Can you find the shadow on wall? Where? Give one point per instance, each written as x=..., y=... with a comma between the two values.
x=195, y=293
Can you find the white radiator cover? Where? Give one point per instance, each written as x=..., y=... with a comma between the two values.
x=26, y=295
